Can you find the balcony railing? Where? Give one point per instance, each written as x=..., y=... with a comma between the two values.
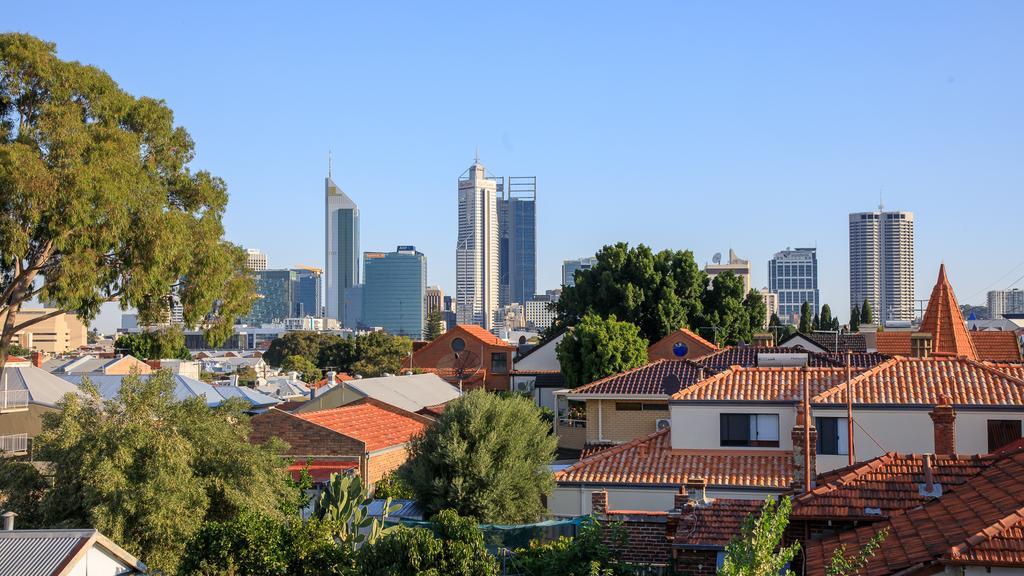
x=13, y=400
x=572, y=422
x=13, y=444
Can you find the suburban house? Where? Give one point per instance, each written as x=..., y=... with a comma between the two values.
x=827, y=342
x=26, y=393
x=682, y=343
x=424, y=394
x=232, y=364
x=366, y=437
x=468, y=357
x=185, y=388
x=93, y=366
x=284, y=386
x=63, y=553
x=538, y=372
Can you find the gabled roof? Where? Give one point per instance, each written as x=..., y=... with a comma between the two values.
x=185, y=388
x=373, y=423
x=651, y=461
x=762, y=384
x=547, y=339
x=483, y=335
x=996, y=346
x=697, y=346
x=858, y=359
x=713, y=524
x=746, y=356
x=881, y=486
x=978, y=523
x=944, y=321
x=43, y=388
x=57, y=552
x=923, y=381
x=412, y=392
x=661, y=378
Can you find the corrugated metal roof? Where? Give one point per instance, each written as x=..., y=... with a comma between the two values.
x=43, y=388
x=32, y=553
x=412, y=392
x=185, y=388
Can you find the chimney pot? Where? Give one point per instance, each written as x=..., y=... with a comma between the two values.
x=599, y=502
x=929, y=477
x=944, y=424
x=9, y=520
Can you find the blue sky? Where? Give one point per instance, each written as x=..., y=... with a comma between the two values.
x=705, y=126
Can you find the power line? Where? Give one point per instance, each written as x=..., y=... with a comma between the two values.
x=1008, y=272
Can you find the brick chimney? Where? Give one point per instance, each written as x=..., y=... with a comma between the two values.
x=37, y=359
x=599, y=502
x=798, y=453
x=763, y=339
x=679, y=501
x=696, y=490
x=944, y=423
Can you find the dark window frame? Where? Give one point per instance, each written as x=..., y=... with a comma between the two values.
x=998, y=438
x=734, y=430
x=499, y=358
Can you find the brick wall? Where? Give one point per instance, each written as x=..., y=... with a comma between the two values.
x=620, y=426
x=645, y=532
x=380, y=464
x=662, y=349
x=439, y=355
x=303, y=438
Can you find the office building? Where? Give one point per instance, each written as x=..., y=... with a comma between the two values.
x=540, y=312
x=882, y=263
x=341, y=269
x=771, y=305
x=255, y=260
x=395, y=291
x=448, y=312
x=736, y=265
x=55, y=335
x=435, y=299
x=275, y=297
x=308, y=295
x=477, y=250
x=793, y=276
x=353, y=308
x=517, y=233
x=1002, y=302
x=569, y=268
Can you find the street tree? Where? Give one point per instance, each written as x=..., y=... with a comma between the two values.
x=166, y=342
x=98, y=202
x=866, y=317
x=486, y=457
x=597, y=347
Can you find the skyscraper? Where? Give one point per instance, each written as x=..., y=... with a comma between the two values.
x=517, y=233
x=569, y=268
x=255, y=260
x=882, y=263
x=308, y=293
x=394, y=295
x=793, y=276
x=435, y=299
x=341, y=258
x=275, y=297
x=477, y=249
x=1005, y=302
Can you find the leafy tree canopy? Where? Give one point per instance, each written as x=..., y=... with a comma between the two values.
x=369, y=355
x=147, y=470
x=586, y=554
x=298, y=343
x=98, y=203
x=154, y=345
x=597, y=347
x=866, y=317
x=486, y=457
x=855, y=319
x=308, y=372
x=757, y=550
x=453, y=547
x=806, y=318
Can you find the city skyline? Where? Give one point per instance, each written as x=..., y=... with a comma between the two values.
x=908, y=105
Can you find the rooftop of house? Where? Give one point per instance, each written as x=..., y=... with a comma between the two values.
x=321, y=470
x=747, y=357
x=659, y=378
x=42, y=388
x=373, y=423
x=763, y=384
x=981, y=522
x=714, y=523
x=832, y=342
x=651, y=461
x=30, y=552
x=696, y=346
x=185, y=388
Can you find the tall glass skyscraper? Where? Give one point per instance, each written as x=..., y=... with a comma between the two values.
x=477, y=250
x=275, y=296
x=517, y=231
x=342, y=249
x=394, y=294
x=569, y=268
x=308, y=301
x=793, y=275
x=882, y=263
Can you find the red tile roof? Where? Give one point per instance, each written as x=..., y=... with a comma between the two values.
x=13, y=359
x=651, y=461
x=893, y=343
x=996, y=345
x=746, y=356
x=713, y=524
x=1014, y=370
x=944, y=321
x=375, y=424
x=883, y=485
x=978, y=523
x=763, y=384
x=338, y=379
x=923, y=380
x=483, y=335
x=321, y=470
x=859, y=359
x=696, y=346
x=648, y=380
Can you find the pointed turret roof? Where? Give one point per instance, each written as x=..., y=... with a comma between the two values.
x=944, y=321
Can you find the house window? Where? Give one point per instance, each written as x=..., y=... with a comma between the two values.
x=458, y=345
x=1002, y=432
x=750, y=430
x=641, y=407
x=833, y=435
x=499, y=362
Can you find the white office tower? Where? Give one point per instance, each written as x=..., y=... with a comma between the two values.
x=476, y=253
x=255, y=260
x=341, y=259
x=882, y=263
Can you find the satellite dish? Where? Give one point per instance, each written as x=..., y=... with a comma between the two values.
x=670, y=384
x=717, y=258
x=679, y=349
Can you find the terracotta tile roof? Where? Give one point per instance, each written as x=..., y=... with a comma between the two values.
x=978, y=523
x=338, y=379
x=923, y=380
x=483, y=335
x=996, y=345
x=713, y=524
x=654, y=379
x=881, y=486
x=943, y=320
x=321, y=470
x=375, y=424
x=893, y=343
x=763, y=384
x=651, y=461
x=1014, y=370
x=697, y=346
x=590, y=449
x=746, y=356
x=13, y=359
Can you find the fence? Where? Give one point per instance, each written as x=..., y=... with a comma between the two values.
x=13, y=400
x=13, y=444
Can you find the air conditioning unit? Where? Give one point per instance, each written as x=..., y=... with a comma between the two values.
x=663, y=423
x=524, y=386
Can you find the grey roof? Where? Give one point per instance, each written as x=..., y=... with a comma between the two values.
x=412, y=392
x=284, y=387
x=45, y=552
x=80, y=365
x=185, y=388
x=43, y=388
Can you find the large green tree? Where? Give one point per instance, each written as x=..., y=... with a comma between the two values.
x=825, y=320
x=98, y=202
x=866, y=317
x=153, y=345
x=147, y=470
x=434, y=326
x=729, y=316
x=298, y=343
x=597, y=347
x=454, y=546
x=308, y=372
x=855, y=319
x=486, y=457
x=806, y=318
x=659, y=292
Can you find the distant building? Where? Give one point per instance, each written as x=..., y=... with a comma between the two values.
x=569, y=268
x=275, y=295
x=56, y=335
x=394, y=295
x=353, y=307
x=1002, y=302
x=477, y=251
x=736, y=265
x=448, y=312
x=539, y=311
x=255, y=260
x=517, y=233
x=308, y=295
x=341, y=270
x=882, y=263
x=793, y=276
x=771, y=304
x=435, y=299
